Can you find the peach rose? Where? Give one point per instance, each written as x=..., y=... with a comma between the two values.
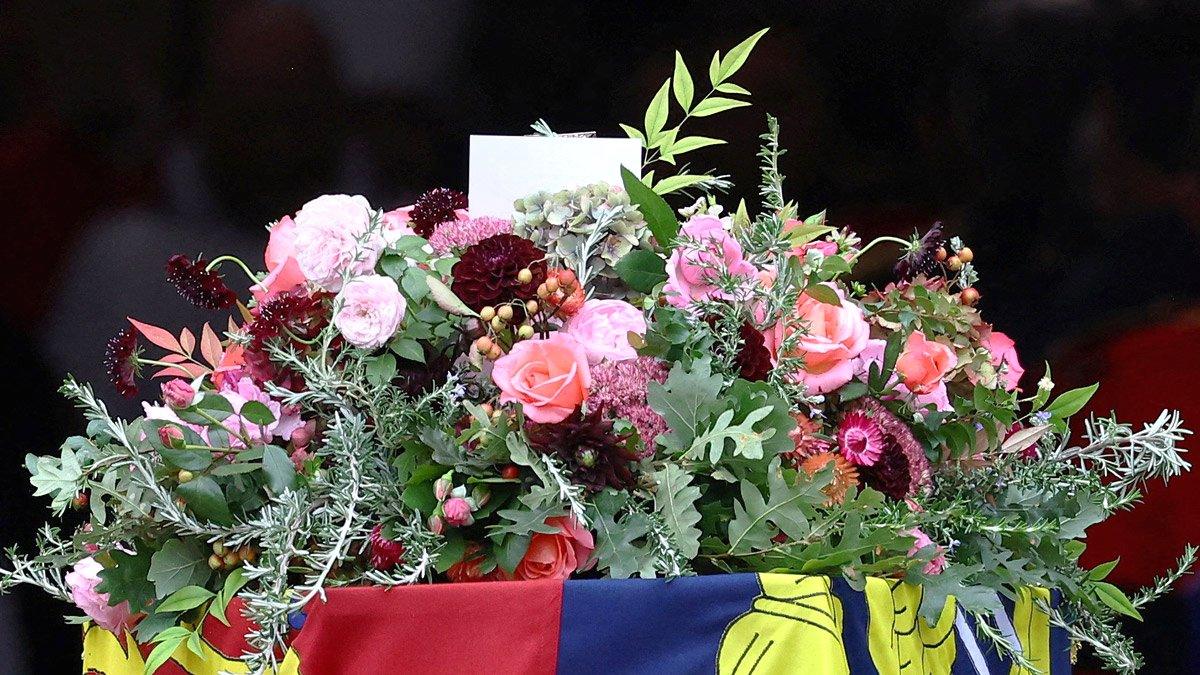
x=549, y=377
x=283, y=272
x=924, y=363
x=558, y=555
x=1003, y=351
x=834, y=335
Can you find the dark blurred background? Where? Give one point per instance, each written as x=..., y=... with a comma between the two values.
x=1060, y=139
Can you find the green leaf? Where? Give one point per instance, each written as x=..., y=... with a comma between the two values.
x=1115, y=599
x=641, y=270
x=205, y=499
x=686, y=400
x=678, y=182
x=188, y=597
x=681, y=82
x=208, y=406
x=746, y=441
x=618, y=533
x=714, y=69
x=414, y=283
x=509, y=554
x=393, y=265
x=58, y=476
x=235, y=468
x=1101, y=571
x=1071, y=402
x=257, y=413
x=689, y=143
x=233, y=583
x=281, y=473
x=634, y=133
x=381, y=369
x=408, y=349
x=192, y=460
x=823, y=293
x=785, y=508
x=731, y=88
x=659, y=216
x=656, y=114
x=715, y=104
x=177, y=564
x=163, y=650
x=127, y=581
x=675, y=501
x=446, y=299
x=738, y=55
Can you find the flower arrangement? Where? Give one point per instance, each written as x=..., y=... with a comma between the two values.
x=602, y=386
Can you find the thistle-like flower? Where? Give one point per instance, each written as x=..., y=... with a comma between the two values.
x=921, y=256
x=434, y=208
x=199, y=286
x=121, y=362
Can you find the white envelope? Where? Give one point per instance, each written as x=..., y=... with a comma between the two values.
x=506, y=168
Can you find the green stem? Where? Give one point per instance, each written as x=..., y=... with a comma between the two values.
x=234, y=259
x=879, y=240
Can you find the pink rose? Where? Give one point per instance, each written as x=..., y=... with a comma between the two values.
x=873, y=354
x=924, y=363
x=1004, y=353
x=833, y=336
x=328, y=233
x=458, y=512
x=558, y=555
x=283, y=272
x=549, y=377
x=369, y=310
x=692, y=270
x=239, y=394
x=83, y=581
x=177, y=393
x=935, y=566
x=603, y=328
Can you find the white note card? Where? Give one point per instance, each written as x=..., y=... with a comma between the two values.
x=506, y=168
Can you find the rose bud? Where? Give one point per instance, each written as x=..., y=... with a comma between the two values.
x=178, y=394
x=458, y=512
x=170, y=435
x=442, y=488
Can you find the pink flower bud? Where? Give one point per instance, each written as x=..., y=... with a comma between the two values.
x=170, y=435
x=302, y=436
x=436, y=525
x=178, y=394
x=458, y=512
x=442, y=488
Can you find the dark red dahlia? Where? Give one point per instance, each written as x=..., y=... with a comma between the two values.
x=201, y=287
x=921, y=257
x=595, y=454
x=753, y=360
x=385, y=553
x=434, y=208
x=120, y=362
x=487, y=272
x=902, y=469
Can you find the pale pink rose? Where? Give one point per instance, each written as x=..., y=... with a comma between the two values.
x=923, y=363
x=328, y=233
x=692, y=272
x=833, y=336
x=603, y=328
x=283, y=272
x=935, y=566
x=82, y=581
x=1004, y=352
x=369, y=310
x=558, y=555
x=548, y=377
x=395, y=223
x=457, y=512
x=177, y=393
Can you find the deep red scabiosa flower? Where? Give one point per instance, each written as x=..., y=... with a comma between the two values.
x=201, y=287
x=860, y=439
x=434, y=208
x=297, y=314
x=385, y=553
x=121, y=362
x=921, y=257
x=902, y=469
x=487, y=274
x=596, y=455
x=753, y=359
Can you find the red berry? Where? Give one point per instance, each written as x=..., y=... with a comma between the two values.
x=510, y=472
x=80, y=501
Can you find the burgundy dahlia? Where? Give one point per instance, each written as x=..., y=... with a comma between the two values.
x=902, y=470
x=199, y=286
x=595, y=454
x=385, y=553
x=487, y=272
x=753, y=360
x=434, y=208
x=120, y=362
x=921, y=257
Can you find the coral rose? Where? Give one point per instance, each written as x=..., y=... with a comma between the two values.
x=924, y=363
x=283, y=272
x=549, y=377
x=693, y=270
x=82, y=581
x=369, y=310
x=557, y=555
x=833, y=335
x=1003, y=351
x=603, y=328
